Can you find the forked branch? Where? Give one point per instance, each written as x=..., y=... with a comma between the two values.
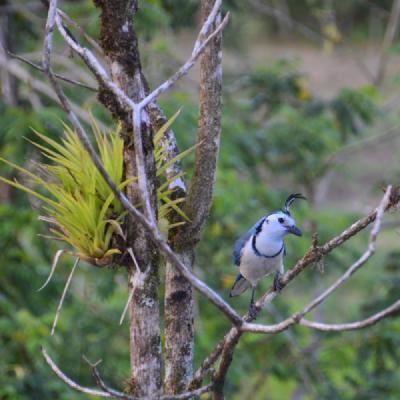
x=313, y=255
x=83, y=137
x=106, y=390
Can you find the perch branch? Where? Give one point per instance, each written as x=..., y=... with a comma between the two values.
x=314, y=254
x=234, y=336
x=297, y=317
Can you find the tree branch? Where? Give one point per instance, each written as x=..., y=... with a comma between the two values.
x=233, y=338
x=314, y=254
x=109, y=392
x=58, y=76
x=201, y=190
x=69, y=381
x=297, y=317
x=350, y=326
x=198, y=49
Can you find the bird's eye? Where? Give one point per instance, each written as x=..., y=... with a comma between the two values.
x=281, y=220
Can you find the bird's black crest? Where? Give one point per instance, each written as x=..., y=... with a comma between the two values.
x=290, y=200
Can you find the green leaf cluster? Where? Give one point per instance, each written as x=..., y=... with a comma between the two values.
x=80, y=207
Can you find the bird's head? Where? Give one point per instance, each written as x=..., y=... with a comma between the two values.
x=280, y=223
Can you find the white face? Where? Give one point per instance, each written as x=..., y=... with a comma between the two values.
x=280, y=224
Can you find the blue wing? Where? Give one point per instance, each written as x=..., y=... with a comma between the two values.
x=237, y=249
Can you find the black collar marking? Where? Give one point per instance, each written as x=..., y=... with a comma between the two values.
x=253, y=245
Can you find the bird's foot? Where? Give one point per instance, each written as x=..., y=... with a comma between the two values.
x=278, y=285
x=252, y=312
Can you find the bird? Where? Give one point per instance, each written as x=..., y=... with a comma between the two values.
x=259, y=252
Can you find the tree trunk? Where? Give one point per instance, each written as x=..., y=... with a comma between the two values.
x=120, y=46
x=179, y=330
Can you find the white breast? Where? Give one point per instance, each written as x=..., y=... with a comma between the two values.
x=254, y=267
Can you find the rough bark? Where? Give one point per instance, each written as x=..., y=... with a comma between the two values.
x=120, y=45
x=179, y=314
x=179, y=329
x=201, y=190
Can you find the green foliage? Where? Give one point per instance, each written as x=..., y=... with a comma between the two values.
x=303, y=131
x=80, y=206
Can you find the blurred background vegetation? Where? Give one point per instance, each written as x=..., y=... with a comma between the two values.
x=311, y=104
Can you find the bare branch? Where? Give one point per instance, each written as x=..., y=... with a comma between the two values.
x=58, y=76
x=362, y=260
x=350, y=326
x=94, y=65
x=179, y=315
x=201, y=190
x=112, y=392
x=102, y=76
x=109, y=392
x=36, y=85
x=234, y=336
x=314, y=254
x=69, y=381
x=296, y=318
x=186, y=67
x=70, y=21
x=120, y=395
x=190, y=394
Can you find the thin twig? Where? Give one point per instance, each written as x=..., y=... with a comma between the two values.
x=112, y=392
x=58, y=76
x=72, y=22
x=60, y=304
x=69, y=381
x=185, y=68
x=350, y=326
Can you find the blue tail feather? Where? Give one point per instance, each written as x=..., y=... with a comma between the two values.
x=240, y=285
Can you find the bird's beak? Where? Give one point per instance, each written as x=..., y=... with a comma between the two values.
x=294, y=229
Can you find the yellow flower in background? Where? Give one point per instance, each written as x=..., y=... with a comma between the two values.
x=332, y=37
x=227, y=281
x=303, y=93
x=216, y=229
